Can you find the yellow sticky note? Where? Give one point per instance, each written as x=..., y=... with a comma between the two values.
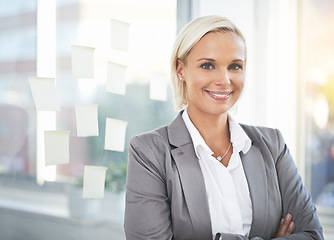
x=119, y=38
x=116, y=78
x=94, y=181
x=82, y=61
x=56, y=147
x=115, y=135
x=87, y=120
x=44, y=93
x=158, y=87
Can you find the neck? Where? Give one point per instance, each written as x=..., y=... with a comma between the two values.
x=213, y=128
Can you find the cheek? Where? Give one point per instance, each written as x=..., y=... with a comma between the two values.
x=194, y=87
x=242, y=83
x=239, y=81
x=198, y=79
x=194, y=80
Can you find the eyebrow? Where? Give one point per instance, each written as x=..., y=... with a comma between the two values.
x=238, y=60
x=206, y=59
x=213, y=60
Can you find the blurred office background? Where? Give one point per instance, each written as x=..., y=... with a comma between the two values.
x=289, y=86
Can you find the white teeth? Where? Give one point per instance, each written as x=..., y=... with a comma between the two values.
x=219, y=95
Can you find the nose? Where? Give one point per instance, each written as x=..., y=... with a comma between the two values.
x=223, y=77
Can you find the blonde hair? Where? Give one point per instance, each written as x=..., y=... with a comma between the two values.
x=186, y=40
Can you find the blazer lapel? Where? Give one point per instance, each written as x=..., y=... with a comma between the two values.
x=191, y=178
x=255, y=172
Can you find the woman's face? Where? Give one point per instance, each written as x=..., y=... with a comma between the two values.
x=213, y=73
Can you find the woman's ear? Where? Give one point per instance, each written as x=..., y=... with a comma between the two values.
x=180, y=69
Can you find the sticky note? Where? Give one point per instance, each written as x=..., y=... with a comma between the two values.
x=116, y=78
x=119, y=38
x=44, y=93
x=94, y=181
x=56, y=147
x=158, y=87
x=82, y=61
x=87, y=120
x=115, y=135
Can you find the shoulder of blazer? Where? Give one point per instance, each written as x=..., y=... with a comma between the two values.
x=155, y=139
x=174, y=134
x=160, y=132
x=256, y=131
x=265, y=138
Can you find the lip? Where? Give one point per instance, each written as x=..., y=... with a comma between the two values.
x=219, y=95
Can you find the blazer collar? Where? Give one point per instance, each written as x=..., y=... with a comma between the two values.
x=177, y=132
x=191, y=178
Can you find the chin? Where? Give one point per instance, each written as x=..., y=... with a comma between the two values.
x=217, y=111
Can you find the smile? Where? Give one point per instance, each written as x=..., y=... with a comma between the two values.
x=219, y=95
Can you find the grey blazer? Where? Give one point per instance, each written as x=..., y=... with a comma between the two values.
x=166, y=196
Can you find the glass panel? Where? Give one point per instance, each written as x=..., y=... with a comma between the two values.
x=17, y=110
x=317, y=65
x=319, y=76
x=132, y=43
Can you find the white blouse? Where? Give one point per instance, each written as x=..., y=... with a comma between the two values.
x=227, y=189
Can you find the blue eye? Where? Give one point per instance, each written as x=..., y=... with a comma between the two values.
x=235, y=66
x=208, y=66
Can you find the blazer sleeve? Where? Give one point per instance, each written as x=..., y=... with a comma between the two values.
x=147, y=209
x=295, y=198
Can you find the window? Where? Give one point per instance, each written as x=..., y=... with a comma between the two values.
x=317, y=74
x=17, y=63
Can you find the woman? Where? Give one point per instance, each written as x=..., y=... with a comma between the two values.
x=204, y=176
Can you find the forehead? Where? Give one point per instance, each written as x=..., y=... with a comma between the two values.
x=219, y=44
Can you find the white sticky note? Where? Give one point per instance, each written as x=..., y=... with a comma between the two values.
x=82, y=61
x=44, y=93
x=56, y=147
x=116, y=78
x=115, y=135
x=119, y=38
x=158, y=87
x=87, y=120
x=94, y=182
